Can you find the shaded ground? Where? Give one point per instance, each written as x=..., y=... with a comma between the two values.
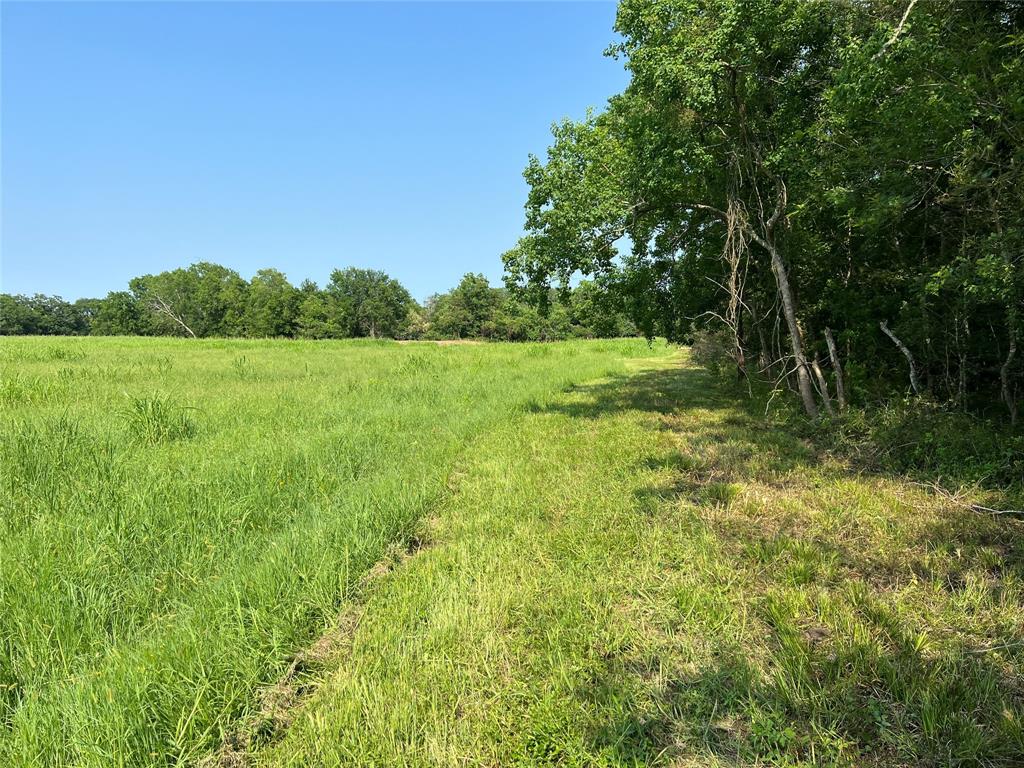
x=643, y=573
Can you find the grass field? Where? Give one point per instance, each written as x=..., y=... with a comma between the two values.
x=178, y=518
x=645, y=573
x=289, y=554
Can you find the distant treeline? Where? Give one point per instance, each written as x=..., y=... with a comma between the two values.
x=211, y=300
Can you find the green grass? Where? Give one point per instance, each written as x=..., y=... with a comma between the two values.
x=286, y=554
x=644, y=572
x=179, y=518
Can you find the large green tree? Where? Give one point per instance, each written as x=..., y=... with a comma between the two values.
x=463, y=311
x=821, y=180
x=376, y=305
x=203, y=300
x=272, y=304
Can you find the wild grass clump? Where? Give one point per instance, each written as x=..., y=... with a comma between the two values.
x=157, y=419
x=243, y=368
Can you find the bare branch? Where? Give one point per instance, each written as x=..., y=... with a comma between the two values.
x=896, y=32
x=914, y=382
x=160, y=306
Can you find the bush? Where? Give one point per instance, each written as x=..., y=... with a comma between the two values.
x=713, y=350
x=928, y=440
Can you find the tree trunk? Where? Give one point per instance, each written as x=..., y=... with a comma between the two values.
x=833, y=353
x=1004, y=377
x=826, y=399
x=914, y=381
x=764, y=351
x=789, y=312
x=1011, y=321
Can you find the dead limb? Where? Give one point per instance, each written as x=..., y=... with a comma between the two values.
x=833, y=353
x=160, y=306
x=826, y=399
x=896, y=32
x=914, y=381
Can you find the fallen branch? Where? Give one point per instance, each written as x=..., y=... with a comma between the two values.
x=957, y=498
x=996, y=647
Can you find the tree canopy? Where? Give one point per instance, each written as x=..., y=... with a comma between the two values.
x=835, y=185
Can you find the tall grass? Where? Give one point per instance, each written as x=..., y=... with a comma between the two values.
x=178, y=517
x=643, y=574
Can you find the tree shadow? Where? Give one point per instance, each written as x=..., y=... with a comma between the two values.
x=869, y=686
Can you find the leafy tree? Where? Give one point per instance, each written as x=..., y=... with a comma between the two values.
x=821, y=179
x=374, y=304
x=272, y=305
x=596, y=310
x=43, y=315
x=204, y=300
x=119, y=314
x=464, y=311
x=319, y=315
x=17, y=316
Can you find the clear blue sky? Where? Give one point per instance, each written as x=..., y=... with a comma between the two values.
x=139, y=137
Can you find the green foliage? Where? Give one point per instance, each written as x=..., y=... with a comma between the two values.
x=204, y=300
x=371, y=303
x=463, y=311
x=868, y=153
x=120, y=314
x=43, y=316
x=934, y=443
x=208, y=300
x=271, y=306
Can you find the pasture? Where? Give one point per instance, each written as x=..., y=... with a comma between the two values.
x=178, y=518
x=289, y=554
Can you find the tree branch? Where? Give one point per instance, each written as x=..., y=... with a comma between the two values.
x=158, y=305
x=914, y=383
x=896, y=32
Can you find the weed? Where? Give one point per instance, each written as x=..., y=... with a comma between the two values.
x=243, y=368
x=157, y=419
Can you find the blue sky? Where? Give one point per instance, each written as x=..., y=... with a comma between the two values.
x=139, y=137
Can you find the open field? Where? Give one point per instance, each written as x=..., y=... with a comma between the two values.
x=645, y=573
x=314, y=554
x=178, y=518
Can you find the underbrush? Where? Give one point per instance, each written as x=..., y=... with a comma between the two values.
x=925, y=440
x=930, y=442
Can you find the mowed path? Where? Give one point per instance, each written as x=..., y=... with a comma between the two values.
x=644, y=573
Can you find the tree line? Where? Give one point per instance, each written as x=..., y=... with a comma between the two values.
x=207, y=300
x=835, y=187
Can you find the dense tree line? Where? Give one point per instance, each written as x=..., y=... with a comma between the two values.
x=210, y=300
x=836, y=185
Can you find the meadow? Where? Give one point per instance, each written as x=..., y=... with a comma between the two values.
x=178, y=518
x=647, y=572
x=281, y=554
